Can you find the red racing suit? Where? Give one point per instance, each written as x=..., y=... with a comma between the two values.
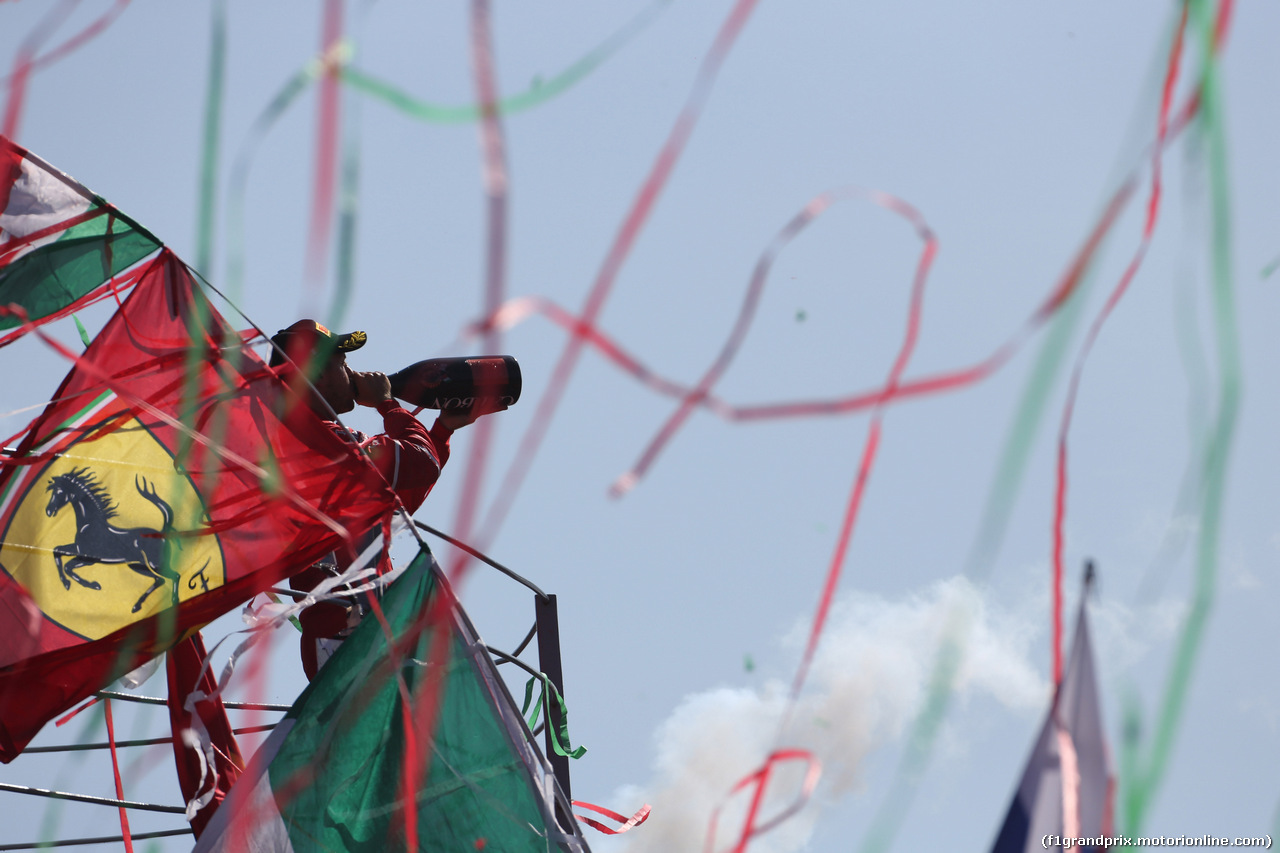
x=408, y=458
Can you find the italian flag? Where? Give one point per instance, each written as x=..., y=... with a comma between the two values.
x=332, y=775
x=61, y=246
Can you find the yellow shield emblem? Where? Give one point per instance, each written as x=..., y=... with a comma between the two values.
x=109, y=533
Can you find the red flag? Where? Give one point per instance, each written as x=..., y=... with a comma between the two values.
x=187, y=674
x=129, y=517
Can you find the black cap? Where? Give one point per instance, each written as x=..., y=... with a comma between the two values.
x=305, y=338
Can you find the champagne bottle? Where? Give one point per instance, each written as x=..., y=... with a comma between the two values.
x=487, y=382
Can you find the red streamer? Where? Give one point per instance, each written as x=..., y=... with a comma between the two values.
x=910, y=338
x=77, y=41
x=627, y=823
x=115, y=767
x=70, y=715
x=584, y=330
x=495, y=184
x=12, y=246
x=617, y=255
x=323, y=191
x=746, y=313
x=25, y=60
x=761, y=776
x=759, y=779
x=409, y=775
x=517, y=310
x=111, y=287
x=1148, y=228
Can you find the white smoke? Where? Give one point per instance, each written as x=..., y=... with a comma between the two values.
x=1130, y=640
x=867, y=682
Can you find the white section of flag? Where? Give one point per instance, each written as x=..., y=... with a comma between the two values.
x=39, y=199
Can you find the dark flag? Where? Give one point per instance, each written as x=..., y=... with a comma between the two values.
x=1067, y=786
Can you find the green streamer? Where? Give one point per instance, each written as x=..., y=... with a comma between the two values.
x=206, y=213
x=275, y=599
x=1026, y=424
x=531, y=720
x=278, y=106
x=1270, y=268
x=84, y=333
x=924, y=734
x=1218, y=448
x=1195, y=367
x=1194, y=363
x=539, y=92
x=205, y=220
x=559, y=734
x=1130, y=747
x=272, y=480
x=348, y=211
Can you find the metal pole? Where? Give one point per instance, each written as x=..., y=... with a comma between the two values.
x=109, y=839
x=85, y=798
x=156, y=700
x=549, y=663
x=153, y=741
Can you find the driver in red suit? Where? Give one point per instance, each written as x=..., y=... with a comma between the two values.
x=406, y=456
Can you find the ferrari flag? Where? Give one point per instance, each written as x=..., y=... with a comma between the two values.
x=167, y=482
x=61, y=246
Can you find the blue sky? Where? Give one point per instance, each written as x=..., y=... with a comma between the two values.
x=1006, y=124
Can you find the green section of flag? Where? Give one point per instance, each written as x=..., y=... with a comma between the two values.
x=338, y=775
x=56, y=275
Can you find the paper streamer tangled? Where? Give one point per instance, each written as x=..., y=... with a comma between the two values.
x=334, y=214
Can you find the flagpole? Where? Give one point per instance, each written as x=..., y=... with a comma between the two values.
x=548, y=619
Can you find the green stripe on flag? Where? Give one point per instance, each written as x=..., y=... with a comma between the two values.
x=54, y=276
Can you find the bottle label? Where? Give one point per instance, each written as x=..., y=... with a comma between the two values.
x=468, y=402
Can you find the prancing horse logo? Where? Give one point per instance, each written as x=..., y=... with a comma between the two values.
x=143, y=549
